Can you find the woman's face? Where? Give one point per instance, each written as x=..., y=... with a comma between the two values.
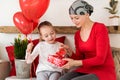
x=79, y=20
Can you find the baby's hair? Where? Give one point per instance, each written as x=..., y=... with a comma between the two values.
x=44, y=23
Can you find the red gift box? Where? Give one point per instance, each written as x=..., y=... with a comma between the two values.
x=57, y=58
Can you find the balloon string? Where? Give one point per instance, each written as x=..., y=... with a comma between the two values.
x=30, y=38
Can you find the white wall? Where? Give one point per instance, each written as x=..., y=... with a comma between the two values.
x=57, y=13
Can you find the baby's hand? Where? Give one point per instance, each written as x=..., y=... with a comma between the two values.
x=64, y=46
x=67, y=48
x=29, y=47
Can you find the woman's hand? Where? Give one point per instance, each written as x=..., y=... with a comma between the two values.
x=71, y=63
x=29, y=47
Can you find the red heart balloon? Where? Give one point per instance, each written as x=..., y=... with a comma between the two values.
x=33, y=9
x=23, y=24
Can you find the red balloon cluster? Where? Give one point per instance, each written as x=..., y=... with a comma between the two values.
x=27, y=20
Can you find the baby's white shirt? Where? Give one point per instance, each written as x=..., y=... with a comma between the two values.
x=44, y=49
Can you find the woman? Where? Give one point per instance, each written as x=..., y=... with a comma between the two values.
x=93, y=57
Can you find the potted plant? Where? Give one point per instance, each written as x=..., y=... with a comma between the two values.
x=113, y=11
x=20, y=46
x=22, y=68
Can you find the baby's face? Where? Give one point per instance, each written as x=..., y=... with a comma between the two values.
x=48, y=34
